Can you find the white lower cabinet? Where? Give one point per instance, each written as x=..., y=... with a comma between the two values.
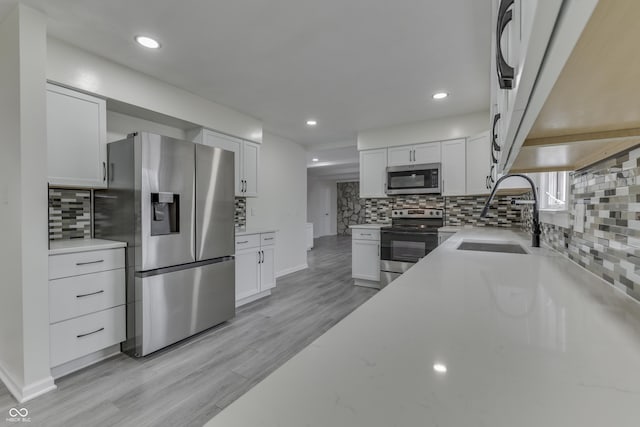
x=83, y=335
x=255, y=267
x=365, y=257
x=86, y=306
x=247, y=273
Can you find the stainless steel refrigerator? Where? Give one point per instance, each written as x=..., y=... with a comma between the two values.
x=172, y=201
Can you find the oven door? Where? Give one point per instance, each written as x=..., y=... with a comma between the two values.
x=414, y=179
x=406, y=246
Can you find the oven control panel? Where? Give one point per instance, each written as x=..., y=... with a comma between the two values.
x=417, y=213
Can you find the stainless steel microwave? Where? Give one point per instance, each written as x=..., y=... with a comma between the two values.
x=414, y=179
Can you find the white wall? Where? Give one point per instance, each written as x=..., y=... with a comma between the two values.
x=322, y=198
x=282, y=201
x=120, y=125
x=24, y=301
x=82, y=70
x=425, y=131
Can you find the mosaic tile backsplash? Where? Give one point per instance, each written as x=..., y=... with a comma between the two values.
x=351, y=207
x=609, y=245
x=460, y=210
x=240, y=216
x=69, y=214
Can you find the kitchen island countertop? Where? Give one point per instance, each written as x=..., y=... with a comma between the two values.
x=526, y=340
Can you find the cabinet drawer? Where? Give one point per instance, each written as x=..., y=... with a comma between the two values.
x=365, y=234
x=79, y=295
x=78, y=337
x=247, y=241
x=67, y=265
x=267, y=239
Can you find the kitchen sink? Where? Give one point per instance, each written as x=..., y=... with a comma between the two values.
x=504, y=247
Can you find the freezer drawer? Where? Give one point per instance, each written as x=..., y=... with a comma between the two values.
x=174, y=305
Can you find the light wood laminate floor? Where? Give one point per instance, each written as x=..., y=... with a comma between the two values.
x=190, y=382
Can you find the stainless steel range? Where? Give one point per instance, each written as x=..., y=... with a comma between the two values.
x=412, y=235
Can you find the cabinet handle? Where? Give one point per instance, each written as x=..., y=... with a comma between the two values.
x=268, y=238
x=365, y=234
x=494, y=159
x=494, y=136
x=486, y=182
x=504, y=70
x=242, y=243
x=92, y=293
x=104, y=171
x=491, y=180
x=90, y=333
x=90, y=262
x=378, y=251
x=262, y=256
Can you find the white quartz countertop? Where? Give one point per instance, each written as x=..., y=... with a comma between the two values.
x=527, y=340
x=454, y=228
x=369, y=226
x=58, y=247
x=247, y=231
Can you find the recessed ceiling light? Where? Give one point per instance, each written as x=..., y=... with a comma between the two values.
x=315, y=159
x=311, y=122
x=440, y=95
x=147, y=42
x=440, y=368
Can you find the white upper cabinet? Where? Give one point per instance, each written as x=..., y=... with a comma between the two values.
x=250, y=164
x=246, y=163
x=373, y=173
x=414, y=154
x=521, y=31
x=76, y=139
x=454, y=167
x=400, y=155
x=427, y=153
x=478, y=164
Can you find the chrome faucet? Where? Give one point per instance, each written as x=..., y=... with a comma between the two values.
x=535, y=238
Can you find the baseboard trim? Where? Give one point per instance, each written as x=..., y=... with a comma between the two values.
x=84, y=361
x=37, y=389
x=31, y=391
x=253, y=298
x=10, y=383
x=292, y=270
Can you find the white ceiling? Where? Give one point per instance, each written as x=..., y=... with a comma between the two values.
x=350, y=64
